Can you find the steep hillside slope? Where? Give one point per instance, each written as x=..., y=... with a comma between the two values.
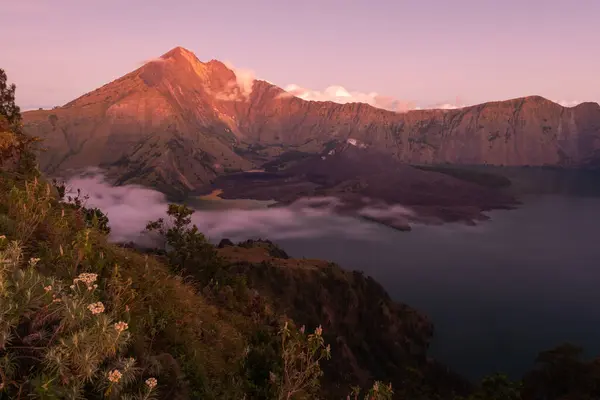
x=156, y=125
x=371, y=336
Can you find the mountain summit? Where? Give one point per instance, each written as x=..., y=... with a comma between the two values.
x=176, y=123
x=179, y=52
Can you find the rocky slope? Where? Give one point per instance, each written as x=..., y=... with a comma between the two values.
x=176, y=123
x=524, y=131
x=156, y=125
x=371, y=336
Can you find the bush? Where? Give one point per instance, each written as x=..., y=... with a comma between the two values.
x=301, y=371
x=59, y=340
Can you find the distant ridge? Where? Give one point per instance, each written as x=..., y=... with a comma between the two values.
x=176, y=123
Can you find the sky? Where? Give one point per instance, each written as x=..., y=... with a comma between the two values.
x=421, y=53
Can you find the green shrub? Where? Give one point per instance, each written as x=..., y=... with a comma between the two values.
x=59, y=340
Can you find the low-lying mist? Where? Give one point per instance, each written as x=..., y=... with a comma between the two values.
x=130, y=207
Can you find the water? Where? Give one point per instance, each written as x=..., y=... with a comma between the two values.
x=498, y=293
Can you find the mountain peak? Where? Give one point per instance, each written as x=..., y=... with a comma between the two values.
x=178, y=52
x=181, y=55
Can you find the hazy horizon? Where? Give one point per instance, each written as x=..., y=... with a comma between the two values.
x=425, y=54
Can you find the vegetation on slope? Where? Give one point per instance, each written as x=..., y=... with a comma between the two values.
x=83, y=318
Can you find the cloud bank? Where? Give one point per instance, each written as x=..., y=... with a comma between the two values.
x=339, y=94
x=130, y=207
x=567, y=103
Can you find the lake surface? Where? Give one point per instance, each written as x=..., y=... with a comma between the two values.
x=498, y=293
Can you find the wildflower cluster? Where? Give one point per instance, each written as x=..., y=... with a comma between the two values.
x=115, y=376
x=121, y=326
x=151, y=383
x=96, y=308
x=88, y=279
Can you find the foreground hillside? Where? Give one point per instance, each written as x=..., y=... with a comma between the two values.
x=83, y=318
x=176, y=123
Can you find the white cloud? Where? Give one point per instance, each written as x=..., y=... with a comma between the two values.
x=244, y=79
x=130, y=207
x=443, y=106
x=152, y=60
x=568, y=103
x=339, y=94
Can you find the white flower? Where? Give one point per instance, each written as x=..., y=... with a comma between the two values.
x=96, y=308
x=48, y=288
x=121, y=326
x=88, y=279
x=151, y=383
x=114, y=376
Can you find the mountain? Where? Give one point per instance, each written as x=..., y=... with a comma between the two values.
x=158, y=124
x=176, y=123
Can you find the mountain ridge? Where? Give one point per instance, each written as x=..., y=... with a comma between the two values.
x=176, y=123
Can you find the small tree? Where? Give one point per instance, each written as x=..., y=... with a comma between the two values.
x=8, y=108
x=14, y=145
x=187, y=248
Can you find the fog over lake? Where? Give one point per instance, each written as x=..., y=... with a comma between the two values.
x=497, y=293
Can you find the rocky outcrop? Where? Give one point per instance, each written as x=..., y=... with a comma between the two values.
x=371, y=336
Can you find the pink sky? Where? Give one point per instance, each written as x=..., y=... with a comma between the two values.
x=421, y=53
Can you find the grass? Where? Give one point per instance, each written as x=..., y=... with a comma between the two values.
x=84, y=318
x=167, y=318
